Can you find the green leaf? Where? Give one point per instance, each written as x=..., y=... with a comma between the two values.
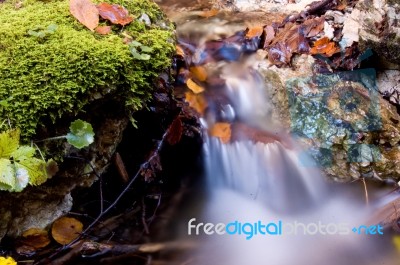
x=135, y=44
x=9, y=142
x=36, y=169
x=81, y=134
x=146, y=49
x=7, y=175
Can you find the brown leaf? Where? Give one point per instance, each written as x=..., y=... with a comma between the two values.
x=199, y=72
x=179, y=51
x=254, y=32
x=269, y=35
x=115, y=13
x=85, y=12
x=197, y=102
x=175, y=131
x=66, y=229
x=194, y=87
x=222, y=130
x=35, y=238
x=119, y=163
x=103, y=30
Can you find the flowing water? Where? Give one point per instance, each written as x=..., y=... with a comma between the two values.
x=271, y=181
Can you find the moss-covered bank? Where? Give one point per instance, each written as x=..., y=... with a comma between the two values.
x=50, y=76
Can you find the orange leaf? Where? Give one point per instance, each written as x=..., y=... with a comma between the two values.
x=35, y=238
x=194, y=87
x=179, y=51
x=209, y=13
x=103, y=30
x=222, y=130
x=175, y=131
x=115, y=13
x=254, y=32
x=85, y=12
x=199, y=72
x=66, y=229
x=197, y=102
x=324, y=46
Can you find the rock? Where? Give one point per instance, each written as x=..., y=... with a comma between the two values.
x=70, y=73
x=376, y=22
x=341, y=119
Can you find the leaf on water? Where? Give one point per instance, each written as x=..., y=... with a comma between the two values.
x=324, y=46
x=175, y=131
x=194, y=87
x=65, y=229
x=85, y=12
x=116, y=14
x=199, y=72
x=103, y=30
x=196, y=101
x=254, y=32
x=81, y=134
x=209, y=13
x=222, y=130
x=35, y=237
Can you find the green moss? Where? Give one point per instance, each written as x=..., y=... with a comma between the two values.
x=67, y=69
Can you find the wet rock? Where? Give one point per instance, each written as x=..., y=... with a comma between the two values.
x=341, y=119
x=376, y=22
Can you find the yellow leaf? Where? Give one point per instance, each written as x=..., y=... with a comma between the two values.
x=194, y=87
x=7, y=261
x=66, y=229
x=222, y=130
x=396, y=242
x=199, y=72
x=197, y=102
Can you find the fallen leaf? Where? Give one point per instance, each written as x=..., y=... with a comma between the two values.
x=115, y=13
x=222, y=130
x=175, y=131
x=209, y=13
x=269, y=35
x=120, y=165
x=103, y=30
x=85, y=12
x=194, y=87
x=196, y=101
x=66, y=229
x=179, y=51
x=325, y=47
x=35, y=238
x=199, y=72
x=254, y=32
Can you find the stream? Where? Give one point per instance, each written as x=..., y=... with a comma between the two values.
x=265, y=203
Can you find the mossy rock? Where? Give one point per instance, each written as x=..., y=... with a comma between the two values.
x=59, y=73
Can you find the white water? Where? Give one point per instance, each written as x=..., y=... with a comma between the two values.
x=251, y=181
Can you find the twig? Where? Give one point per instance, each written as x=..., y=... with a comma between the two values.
x=365, y=191
x=145, y=227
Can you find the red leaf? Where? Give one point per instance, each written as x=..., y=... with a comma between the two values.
x=85, y=12
x=175, y=131
x=114, y=13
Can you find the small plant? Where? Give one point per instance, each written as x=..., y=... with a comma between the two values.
x=139, y=51
x=41, y=32
x=81, y=134
x=18, y=166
